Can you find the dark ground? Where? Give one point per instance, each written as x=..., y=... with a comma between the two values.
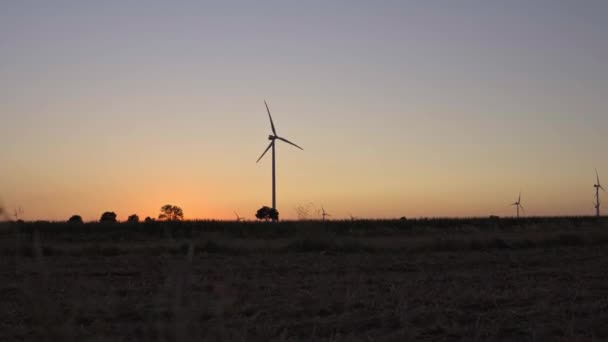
x=365, y=281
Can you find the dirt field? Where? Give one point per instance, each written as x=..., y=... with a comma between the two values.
x=467, y=286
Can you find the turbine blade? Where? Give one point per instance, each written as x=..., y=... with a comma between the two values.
x=274, y=131
x=597, y=175
x=266, y=150
x=519, y=197
x=289, y=142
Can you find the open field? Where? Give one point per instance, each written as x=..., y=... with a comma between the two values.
x=446, y=280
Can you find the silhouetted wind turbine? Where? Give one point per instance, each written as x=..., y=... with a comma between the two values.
x=518, y=204
x=2, y=210
x=238, y=218
x=324, y=213
x=273, y=137
x=597, y=187
x=17, y=212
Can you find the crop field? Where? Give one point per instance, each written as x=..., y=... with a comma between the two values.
x=536, y=279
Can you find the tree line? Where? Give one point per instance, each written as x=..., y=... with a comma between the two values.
x=170, y=212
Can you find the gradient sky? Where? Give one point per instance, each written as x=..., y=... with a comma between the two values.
x=404, y=108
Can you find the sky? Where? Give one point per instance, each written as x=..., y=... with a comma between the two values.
x=403, y=108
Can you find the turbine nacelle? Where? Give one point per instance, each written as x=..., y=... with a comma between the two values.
x=598, y=185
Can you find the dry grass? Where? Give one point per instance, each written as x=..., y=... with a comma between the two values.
x=543, y=283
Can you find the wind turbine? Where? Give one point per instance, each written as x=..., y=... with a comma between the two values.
x=238, y=218
x=324, y=213
x=2, y=210
x=597, y=187
x=273, y=138
x=17, y=213
x=518, y=205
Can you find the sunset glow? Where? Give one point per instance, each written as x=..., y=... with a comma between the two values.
x=402, y=108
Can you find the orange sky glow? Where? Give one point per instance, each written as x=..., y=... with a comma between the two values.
x=403, y=108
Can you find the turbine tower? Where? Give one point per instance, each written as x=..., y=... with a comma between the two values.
x=273, y=138
x=597, y=187
x=518, y=205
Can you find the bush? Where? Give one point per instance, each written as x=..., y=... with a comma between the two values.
x=133, y=219
x=75, y=219
x=108, y=216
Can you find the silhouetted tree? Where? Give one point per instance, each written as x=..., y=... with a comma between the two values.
x=267, y=214
x=108, y=216
x=133, y=219
x=171, y=213
x=148, y=219
x=75, y=219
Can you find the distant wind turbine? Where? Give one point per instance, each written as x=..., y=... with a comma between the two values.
x=273, y=138
x=518, y=205
x=324, y=213
x=238, y=218
x=597, y=187
x=2, y=210
x=17, y=213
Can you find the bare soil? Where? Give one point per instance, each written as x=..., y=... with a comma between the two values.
x=551, y=292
